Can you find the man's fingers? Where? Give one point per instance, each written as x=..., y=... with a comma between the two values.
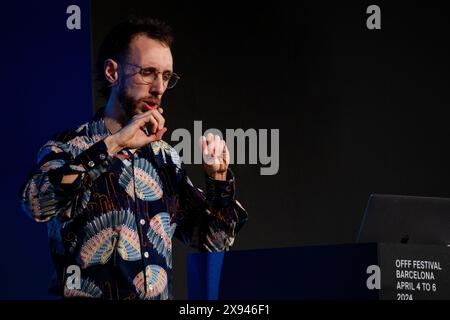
x=207, y=146
x=157, y=136
x=154, y=117
x=214, y=149
x=160, y=119
x=150, y=119
x=209, y=138
x=160, y=133
x=217, y=146
x=225, y=152
x=153, y=124
x=202, y=144
x=210, y=146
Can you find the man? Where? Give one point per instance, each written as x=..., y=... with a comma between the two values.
x=113, y=193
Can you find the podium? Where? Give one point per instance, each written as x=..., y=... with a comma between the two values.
x=363, y=271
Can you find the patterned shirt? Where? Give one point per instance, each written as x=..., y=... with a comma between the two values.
x=116, y=221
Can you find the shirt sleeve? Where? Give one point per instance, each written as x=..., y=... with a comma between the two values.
x=43, y=195
x=209, y=221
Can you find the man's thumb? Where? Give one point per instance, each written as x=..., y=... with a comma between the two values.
x=158, y=135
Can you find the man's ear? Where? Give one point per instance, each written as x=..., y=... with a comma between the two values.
x=111, y=70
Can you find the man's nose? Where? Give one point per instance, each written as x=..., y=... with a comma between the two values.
x=157, y=86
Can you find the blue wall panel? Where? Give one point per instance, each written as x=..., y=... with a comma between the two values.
x=46, y=88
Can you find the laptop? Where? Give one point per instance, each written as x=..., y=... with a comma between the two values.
x=406, y=219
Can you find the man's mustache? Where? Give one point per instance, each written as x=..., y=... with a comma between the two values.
x=151, y=101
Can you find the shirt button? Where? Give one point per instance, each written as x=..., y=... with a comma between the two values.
x=91, y=163
x=146, y=254
x=102, y=156
x=142, y=222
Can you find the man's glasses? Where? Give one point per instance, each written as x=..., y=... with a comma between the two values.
x=149, y=74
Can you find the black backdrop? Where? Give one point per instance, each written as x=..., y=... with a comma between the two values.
x=359, y=111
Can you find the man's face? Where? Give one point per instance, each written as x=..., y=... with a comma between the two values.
x=134, y=95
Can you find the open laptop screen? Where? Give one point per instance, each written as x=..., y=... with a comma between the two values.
x=406, y=219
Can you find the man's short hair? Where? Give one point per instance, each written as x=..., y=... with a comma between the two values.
x=116, y=43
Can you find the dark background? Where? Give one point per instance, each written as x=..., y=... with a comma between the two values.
x=359, y=111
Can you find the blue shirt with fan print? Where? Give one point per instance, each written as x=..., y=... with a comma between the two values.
x=116, y=221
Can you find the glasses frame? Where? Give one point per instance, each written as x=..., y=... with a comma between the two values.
x=141, y=70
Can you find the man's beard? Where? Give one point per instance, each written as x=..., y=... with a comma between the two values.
x=130, y=105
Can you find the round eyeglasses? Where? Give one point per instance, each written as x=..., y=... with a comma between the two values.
x=149, y=74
